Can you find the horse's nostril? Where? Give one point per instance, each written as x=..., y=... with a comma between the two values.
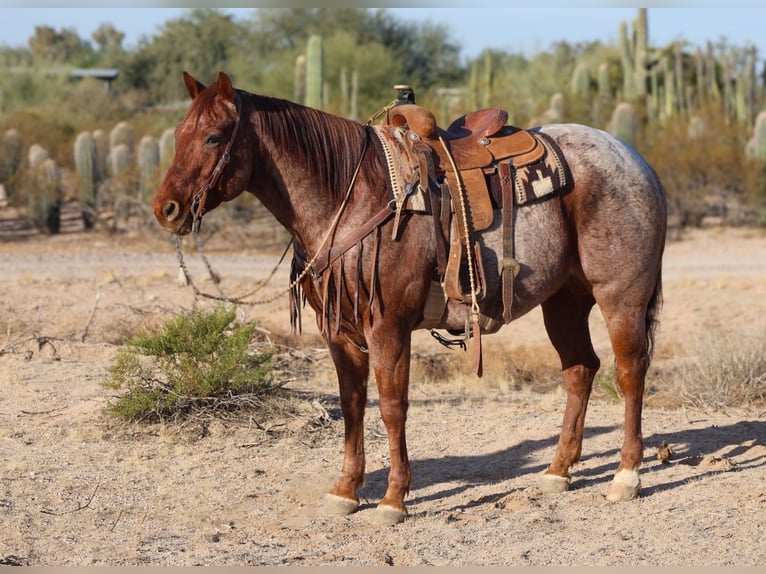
x=170, y=210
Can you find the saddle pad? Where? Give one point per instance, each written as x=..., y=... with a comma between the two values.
x=543, y=177
x=406, y=180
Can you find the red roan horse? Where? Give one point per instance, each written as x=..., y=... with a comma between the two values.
x=601, y=242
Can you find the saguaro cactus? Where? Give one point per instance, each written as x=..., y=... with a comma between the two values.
x=299, y=79
x=756, y=146
x=101, y=139
x=633, y=48
x=10, y=155
x=86, y=164
x=314, y=71
x=581, y=81
x=167, y=149
x=486, y=88
x=119, y=160
x=624, y=122
x=122, y=133
x=44, y=191
x=148, y=163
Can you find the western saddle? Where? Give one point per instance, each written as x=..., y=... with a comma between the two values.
x=467, y=159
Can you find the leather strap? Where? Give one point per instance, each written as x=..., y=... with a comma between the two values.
x=508, y=267
x=200, y=198
x=327, y=258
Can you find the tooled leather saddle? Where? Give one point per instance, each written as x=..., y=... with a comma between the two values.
x=471, y=155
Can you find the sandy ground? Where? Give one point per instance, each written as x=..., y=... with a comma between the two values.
x=79, y=488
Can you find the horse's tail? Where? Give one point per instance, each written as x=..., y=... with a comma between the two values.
x=651, y=321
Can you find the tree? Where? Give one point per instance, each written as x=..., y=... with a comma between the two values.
x=201, y=42
x=50, y=46
x=108, y=39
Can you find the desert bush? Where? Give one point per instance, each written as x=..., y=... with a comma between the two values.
x=727, y=373
x=198, y=362
x=717, y=372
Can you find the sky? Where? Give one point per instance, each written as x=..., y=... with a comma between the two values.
x=518, y=30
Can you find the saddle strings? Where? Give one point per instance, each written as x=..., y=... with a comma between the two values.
x=465, y=230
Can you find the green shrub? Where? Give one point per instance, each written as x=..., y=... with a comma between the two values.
x=199, y=361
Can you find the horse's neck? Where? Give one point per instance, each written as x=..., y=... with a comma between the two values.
x=308, y=172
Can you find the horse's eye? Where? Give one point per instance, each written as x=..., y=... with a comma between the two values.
x=213, y=139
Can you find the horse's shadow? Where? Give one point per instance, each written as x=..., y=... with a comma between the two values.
x=463, y=473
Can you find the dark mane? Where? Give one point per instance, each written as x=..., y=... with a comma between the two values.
x=329, y=146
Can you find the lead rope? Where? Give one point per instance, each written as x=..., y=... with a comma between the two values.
x=478, y=367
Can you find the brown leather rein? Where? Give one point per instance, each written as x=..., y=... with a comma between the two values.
x=198, y=202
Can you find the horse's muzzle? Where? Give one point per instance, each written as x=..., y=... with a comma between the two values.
x=172, y=218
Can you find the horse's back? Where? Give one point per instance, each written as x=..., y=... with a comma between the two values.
x=604, y=167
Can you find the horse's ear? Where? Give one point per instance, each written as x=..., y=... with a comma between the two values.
x=193, y=86
x=225, y=89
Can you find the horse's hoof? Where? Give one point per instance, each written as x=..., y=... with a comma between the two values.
x=388, y=515
x=340, y=506
x=554, y=484
x=624, y=486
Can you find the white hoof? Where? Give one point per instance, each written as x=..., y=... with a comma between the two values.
x=624, y=486
x=388, y=515
x=554, y=484
x=340, y=506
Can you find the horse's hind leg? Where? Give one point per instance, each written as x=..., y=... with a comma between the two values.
x=352, y=367
x=627, y=331
x=566, y=321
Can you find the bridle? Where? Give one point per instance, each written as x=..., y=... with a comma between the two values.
x=198, y=202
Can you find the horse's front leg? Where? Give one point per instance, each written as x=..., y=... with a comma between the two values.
x=390, y=358
x=352, y=368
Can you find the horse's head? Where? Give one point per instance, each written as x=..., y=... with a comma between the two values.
x=209, y=166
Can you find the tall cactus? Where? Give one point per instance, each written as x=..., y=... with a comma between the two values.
x=148, y=163
x=641, y=31
x=122, y=133
x=10, y=155
x=85, y=162
x=101, y=139
x=167, y=149
x=119, y=160
x=633, y=51
x=314, y=71
x=711, y=76
x=756, y=146
x=44, y=193
x=473, y=86
x=581, y=79
x=354, y=113
x=345, y=92
x=299, y=79
x=604, y=81
x=624, y=123
x=486, y=94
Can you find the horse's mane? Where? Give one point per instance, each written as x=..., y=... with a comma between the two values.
x=328, y=146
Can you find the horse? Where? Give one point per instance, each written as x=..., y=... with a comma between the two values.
x=368, y=274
